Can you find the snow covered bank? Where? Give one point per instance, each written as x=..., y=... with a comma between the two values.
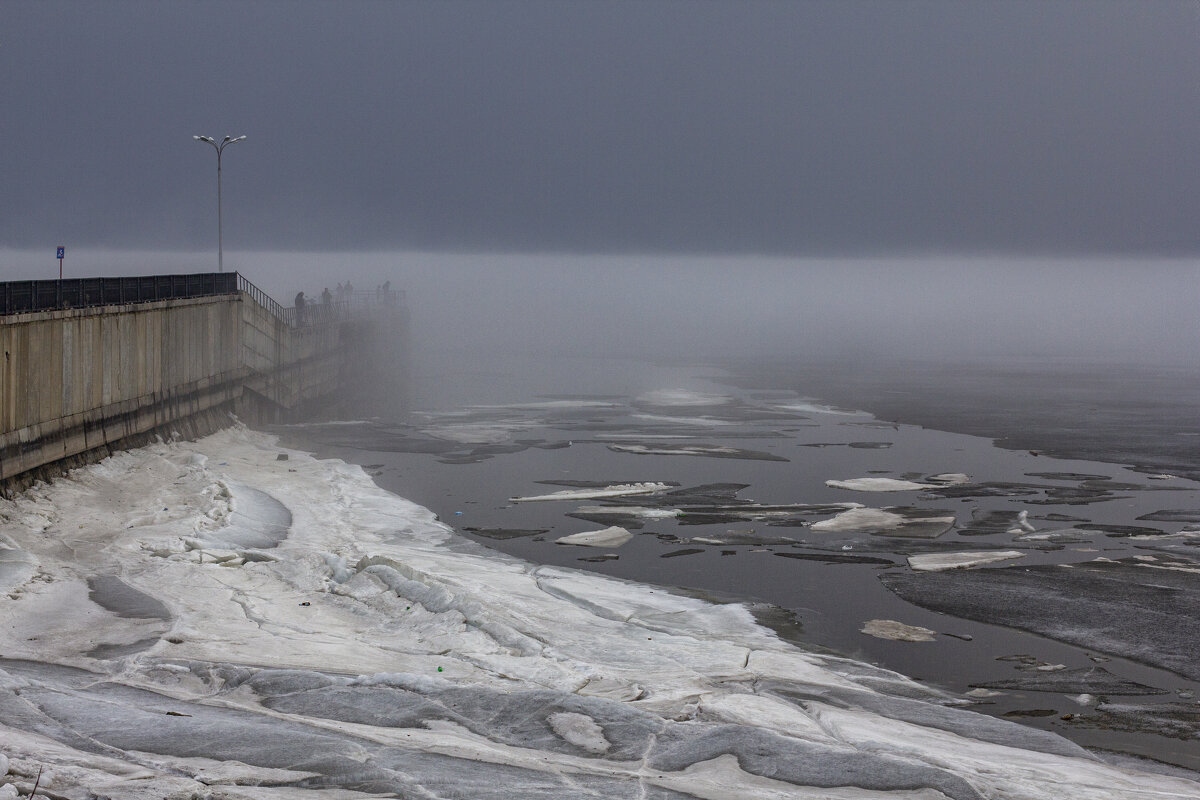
x=205, y=619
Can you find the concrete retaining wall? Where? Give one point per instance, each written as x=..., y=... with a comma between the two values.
x=77, y=384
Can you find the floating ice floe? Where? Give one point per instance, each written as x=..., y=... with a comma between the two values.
x=936, y=562
x=699, y=422
x=641, y=512
x=897, y=631
x=548, y=405
x=616, y=490
x=1014, y=523
x=917, y=523
x=949, y=479
x=879, y=485
x=813, y=407
x=1056, y=536
x=682, y=397
x=478, y=432
x=612, y=536
x=710, y=450
x=638, y=437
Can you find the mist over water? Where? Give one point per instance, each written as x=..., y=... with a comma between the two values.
x=861, y=311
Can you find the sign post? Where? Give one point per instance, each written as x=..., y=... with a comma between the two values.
x=62, y=251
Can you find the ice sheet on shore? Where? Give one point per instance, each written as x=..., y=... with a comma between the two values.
x=376, y=651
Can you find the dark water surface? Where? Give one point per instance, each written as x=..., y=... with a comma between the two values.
x=1143, y=415
x=487, y=431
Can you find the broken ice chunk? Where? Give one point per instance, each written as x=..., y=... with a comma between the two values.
x=897, y=631
x=878, y=485
x=1058, y=536
x=617, y=490
x=634, y=512
x=985, y=522
x=709, y=450
x=681, y=397
x=949, y=478
x=913, y=523
x=613, y=536
x=935, y=562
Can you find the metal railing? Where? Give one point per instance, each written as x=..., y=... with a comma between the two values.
x=18, y=297
x=262, y=298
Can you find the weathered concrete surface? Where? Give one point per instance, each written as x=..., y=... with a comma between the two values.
x=77, y=384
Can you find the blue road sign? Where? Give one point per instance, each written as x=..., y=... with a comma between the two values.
x=62, y=252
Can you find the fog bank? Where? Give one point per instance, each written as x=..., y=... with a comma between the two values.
x=948, y=308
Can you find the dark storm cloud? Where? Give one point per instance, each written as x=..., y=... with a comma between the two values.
x=769, y=127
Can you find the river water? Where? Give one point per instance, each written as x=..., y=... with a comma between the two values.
x=758, y=445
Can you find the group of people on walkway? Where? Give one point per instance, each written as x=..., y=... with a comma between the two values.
x=344, y=294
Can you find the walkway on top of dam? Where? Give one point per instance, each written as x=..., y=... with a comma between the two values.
x=27, y=296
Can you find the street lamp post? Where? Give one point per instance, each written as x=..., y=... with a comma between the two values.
x=228, y=140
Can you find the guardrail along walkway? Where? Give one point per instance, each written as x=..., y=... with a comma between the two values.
x=19, y=297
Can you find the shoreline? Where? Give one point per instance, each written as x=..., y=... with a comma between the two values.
x=790, y=627
x=475, y=483
x=574, y=678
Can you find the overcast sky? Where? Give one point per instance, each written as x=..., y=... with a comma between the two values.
x=778, y=128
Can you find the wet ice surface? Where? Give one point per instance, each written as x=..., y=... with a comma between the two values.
x=373, y=651
x=816, y=504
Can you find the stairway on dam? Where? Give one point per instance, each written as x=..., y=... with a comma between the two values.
x=100, y=364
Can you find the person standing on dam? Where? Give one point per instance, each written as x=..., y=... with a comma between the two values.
x=299, y=308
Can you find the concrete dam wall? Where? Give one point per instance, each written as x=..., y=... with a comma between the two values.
x=79, y=382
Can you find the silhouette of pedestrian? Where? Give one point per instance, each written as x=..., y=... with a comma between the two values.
x=299, y=308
